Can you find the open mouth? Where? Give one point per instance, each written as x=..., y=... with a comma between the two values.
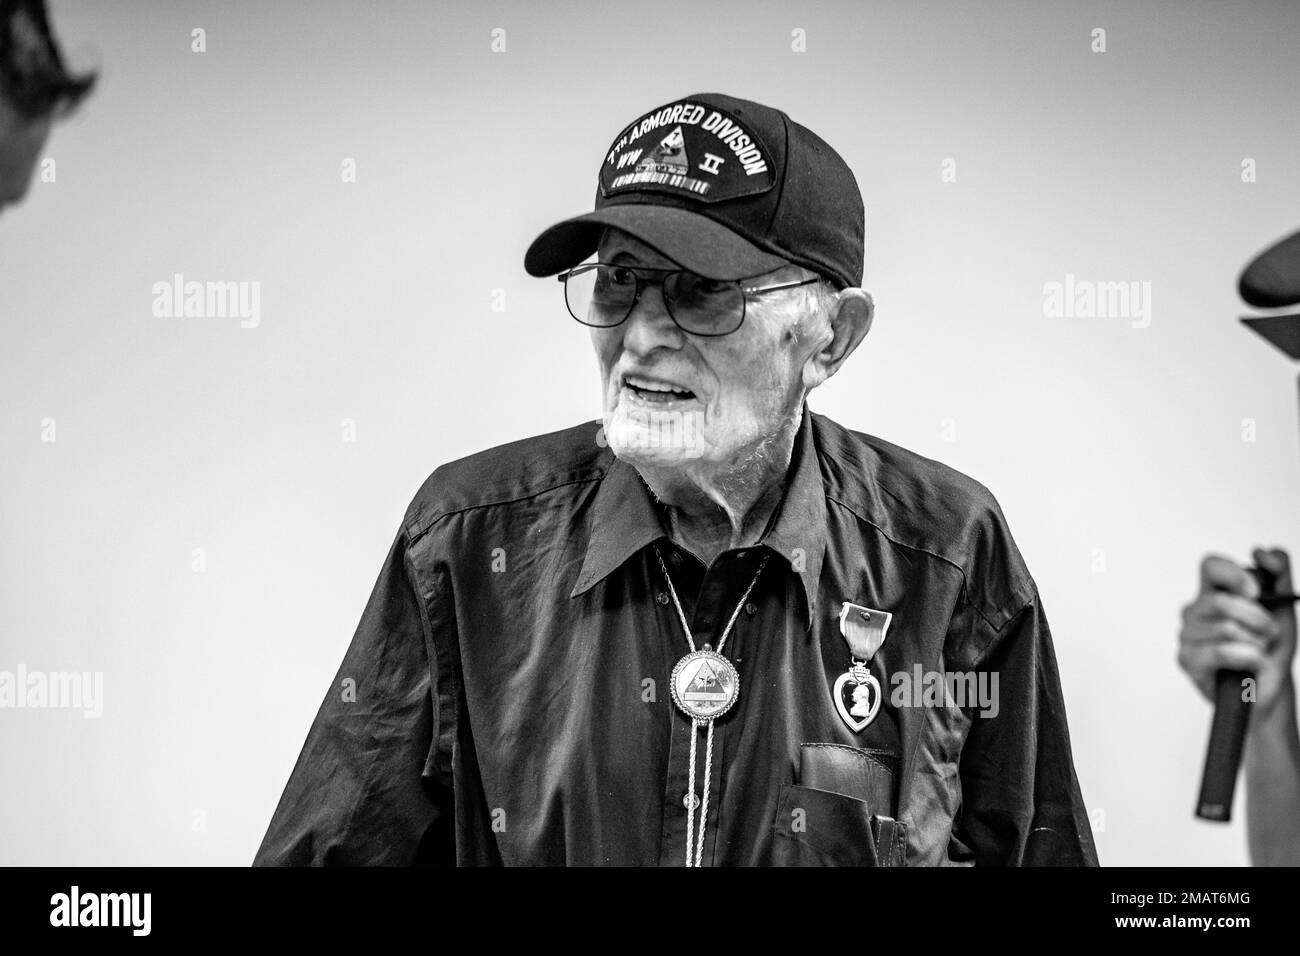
x=649, y=390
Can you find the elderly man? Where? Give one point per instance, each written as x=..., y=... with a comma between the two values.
x=716, y=629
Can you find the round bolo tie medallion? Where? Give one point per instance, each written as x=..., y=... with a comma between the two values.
x=704, y=685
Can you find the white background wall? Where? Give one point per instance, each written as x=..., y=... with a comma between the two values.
x=1098, y=437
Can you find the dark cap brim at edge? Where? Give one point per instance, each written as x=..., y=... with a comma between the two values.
x=693, y=241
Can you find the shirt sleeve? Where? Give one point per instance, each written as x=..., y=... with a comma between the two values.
x=1021, y=804
x=359, y=794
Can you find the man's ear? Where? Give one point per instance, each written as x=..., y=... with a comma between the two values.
x=850, y=321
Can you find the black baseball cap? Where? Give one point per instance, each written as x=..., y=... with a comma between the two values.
x=724, y=187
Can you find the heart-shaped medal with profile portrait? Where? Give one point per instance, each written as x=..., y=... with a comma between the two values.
x=857, y=698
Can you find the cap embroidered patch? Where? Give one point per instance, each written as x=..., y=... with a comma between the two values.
x=690, y=150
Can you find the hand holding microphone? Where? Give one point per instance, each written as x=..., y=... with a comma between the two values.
x=1240, y=627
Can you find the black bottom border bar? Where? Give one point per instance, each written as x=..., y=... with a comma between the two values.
x=254, y=905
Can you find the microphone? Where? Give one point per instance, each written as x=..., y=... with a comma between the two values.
x=1231, y=717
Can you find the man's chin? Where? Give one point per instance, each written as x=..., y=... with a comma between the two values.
x=657, y=441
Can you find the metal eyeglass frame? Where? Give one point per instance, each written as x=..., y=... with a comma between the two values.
x=636, y=271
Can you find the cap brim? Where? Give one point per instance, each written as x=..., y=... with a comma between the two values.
x=693, y=241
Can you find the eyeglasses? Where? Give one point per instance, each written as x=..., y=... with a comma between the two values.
x=603, y=295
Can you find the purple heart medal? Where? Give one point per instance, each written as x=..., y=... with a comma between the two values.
x=857, y=693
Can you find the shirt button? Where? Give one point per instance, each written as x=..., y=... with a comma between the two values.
x=690, y=801
x=751, y=608
x=662, y=597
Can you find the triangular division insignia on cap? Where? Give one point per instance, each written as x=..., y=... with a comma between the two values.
x=668, y=157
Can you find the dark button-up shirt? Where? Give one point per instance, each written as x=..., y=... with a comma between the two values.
x=505, y=699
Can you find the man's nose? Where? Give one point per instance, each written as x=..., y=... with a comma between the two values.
x=649, y=326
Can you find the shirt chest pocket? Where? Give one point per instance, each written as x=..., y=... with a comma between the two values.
x=840, y=812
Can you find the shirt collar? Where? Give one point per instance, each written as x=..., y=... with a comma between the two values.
x=798, y=530
x=625, y=519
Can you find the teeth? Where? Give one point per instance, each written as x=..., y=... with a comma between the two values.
x=646, y=386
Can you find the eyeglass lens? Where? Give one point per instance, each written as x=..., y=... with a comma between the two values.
x=603, y=296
